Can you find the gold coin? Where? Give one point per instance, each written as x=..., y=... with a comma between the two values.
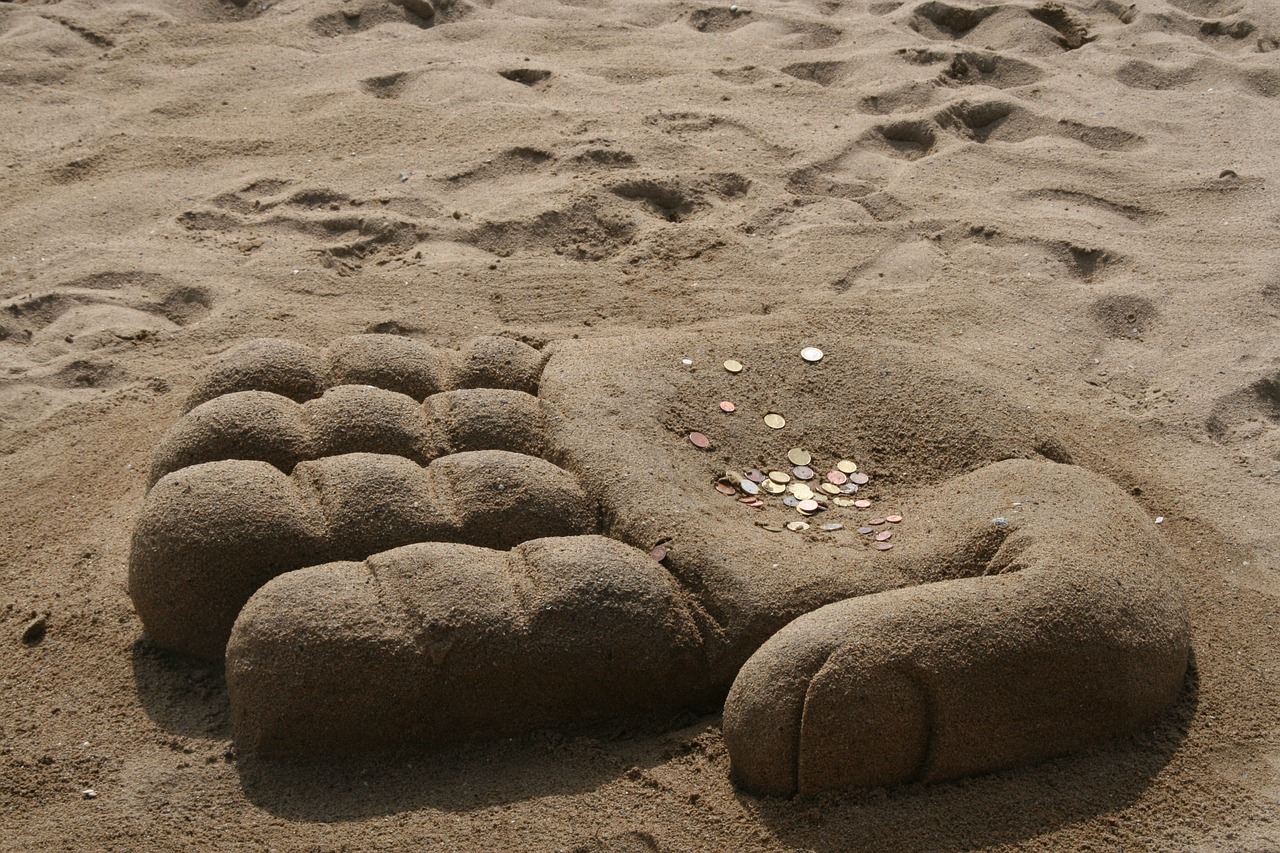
x=846, y=466
x=780, y=476
x=820, y=497
x=733, y=476
x=773, y=420
x=773, y=488
x=842, y=502
x=797, y=526
x=830, y=488
x=799, y=456
x=801, y=491
x=733, y=366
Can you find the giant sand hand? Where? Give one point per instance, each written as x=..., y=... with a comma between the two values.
x=400, y=544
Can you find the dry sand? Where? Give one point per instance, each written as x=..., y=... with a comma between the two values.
x=1076, y=199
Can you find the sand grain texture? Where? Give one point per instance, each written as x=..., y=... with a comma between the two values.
x=1070, y=203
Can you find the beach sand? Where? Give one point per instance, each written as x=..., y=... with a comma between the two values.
x=1076, y=201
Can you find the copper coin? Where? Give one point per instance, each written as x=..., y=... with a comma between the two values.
x=756, y=503
x=808, y=506
x=725, y=490
x=884, y=535
x=799, y=456
x=726, y=406
x=865, y=530
x=802, y=472
x=882, y=546
x=659, y=553
x=773, y=420
x=755, y=475
x=875, y=522
x=837, y=478
x=699, y=440
x=733, y=366
x=846, y=466
x=862, y=504
x=893, y=519
x=747, y=500
x=859, y=479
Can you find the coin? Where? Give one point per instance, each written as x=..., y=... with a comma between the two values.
x=725, y=489
x=842, y=502
x=882, y=546
x=808, y=505
x=755, y=475
x=799, y=456
x=875, y=522
x=731, y=476
x=830, y=527
x=749, y=487
x=811, y=354
x=780, y=476
x=837, y=478
x=800, y=490
x=756, y=503
x=797, y=526
x=772, y=528
x=747, y=500
x=862, y=503
x=773, y=420
x=733, y=366
x=699, y=440
x=773, y=488
x=802, y=472
x=884, y=535
x=726, y=406
x=893, y=519
x=659, y=553
x=848, y=489
x=865, y=530
x=791, y=501
x=830, y=489
x=846, y=466
x=860, y=479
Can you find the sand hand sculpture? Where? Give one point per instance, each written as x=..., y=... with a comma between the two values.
x=392, y=543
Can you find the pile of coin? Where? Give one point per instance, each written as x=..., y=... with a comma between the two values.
x=799, y=484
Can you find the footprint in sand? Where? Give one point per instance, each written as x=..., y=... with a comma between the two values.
x=395, y=544
x=58, y=342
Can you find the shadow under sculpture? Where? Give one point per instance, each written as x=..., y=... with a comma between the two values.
x=387, y=543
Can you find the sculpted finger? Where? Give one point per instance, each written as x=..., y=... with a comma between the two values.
x=210, y=534
x=390, y=362
x=1075, y=641
x=351, y=419
x=438, y=642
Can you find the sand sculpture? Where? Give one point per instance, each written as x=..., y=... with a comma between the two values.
x=393, y=543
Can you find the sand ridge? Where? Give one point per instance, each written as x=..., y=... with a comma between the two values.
x=1073, y=200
